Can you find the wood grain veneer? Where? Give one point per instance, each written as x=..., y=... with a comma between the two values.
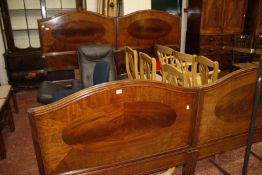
x=136, y=127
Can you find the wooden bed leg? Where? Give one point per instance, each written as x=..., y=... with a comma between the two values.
x=221, y=169
x=190, y=166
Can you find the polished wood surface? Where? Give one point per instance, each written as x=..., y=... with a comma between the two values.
x=145, y=28
x=234, y=16
x=212, y=24
x=129, y=127
x=139, y=30
x=70, y=30
x=134, y=127
x=211, y=17
x=224, y=118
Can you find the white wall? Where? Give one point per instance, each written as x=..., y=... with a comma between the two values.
x=3, y=74
x=91, y=5
x=130, y=6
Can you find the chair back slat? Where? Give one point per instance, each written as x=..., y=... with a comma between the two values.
x=173, y=75
x=147, y=66
x=165, y=54
x=131, y=60
x=207, y=70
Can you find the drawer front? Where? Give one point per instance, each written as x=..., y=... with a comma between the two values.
x=228, y=40
x=214, y=40
x=210, y=50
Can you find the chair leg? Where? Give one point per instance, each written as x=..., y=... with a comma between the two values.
x=10, y=118
x=13, y=96
x=2, y=147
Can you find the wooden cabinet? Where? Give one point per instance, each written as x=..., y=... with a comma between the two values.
x=253, y=24
x=222, y=16
x=211, y=17
x=20, y=32
x=212, y=24
x=234, y=16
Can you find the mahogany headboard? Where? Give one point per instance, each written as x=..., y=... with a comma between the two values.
x=61, y=35
x=145, y=28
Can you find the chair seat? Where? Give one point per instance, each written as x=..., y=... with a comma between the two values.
x=47, y=91
x=5, y=90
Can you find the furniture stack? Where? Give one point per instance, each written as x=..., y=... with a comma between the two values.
x=184, y=69
x=177, y=68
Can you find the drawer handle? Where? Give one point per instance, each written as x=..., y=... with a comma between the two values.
x=211, y=39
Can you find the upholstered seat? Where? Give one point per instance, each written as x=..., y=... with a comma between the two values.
x=96, y=64
x=4, y=90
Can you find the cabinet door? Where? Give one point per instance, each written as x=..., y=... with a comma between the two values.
x=259, y=21
x=234, y=16
x=211, y=16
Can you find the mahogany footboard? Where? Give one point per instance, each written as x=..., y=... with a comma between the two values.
x=139, y=127
x=124, y=127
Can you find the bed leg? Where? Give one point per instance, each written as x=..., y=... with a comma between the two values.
x=189, y=167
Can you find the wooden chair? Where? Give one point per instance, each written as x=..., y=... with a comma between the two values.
x=186, y=63
x=207, y=71
x=165, y=54
x=174, y=75
x=131, y=60
x=147, y=66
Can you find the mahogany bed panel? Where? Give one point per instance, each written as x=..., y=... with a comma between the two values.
x=148, y=27
x=133, y=127
x=225, y=112
x=122, y=127
x=61, y=35
x=67, y=31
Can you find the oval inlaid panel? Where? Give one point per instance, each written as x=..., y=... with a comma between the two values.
x=149, y=29
x=139, y=121
x=80, y=31
x=234, y=107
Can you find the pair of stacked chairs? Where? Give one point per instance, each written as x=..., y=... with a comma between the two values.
x=96, y=65
x=7, y=101
x=185, y=70
x=142, y=61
